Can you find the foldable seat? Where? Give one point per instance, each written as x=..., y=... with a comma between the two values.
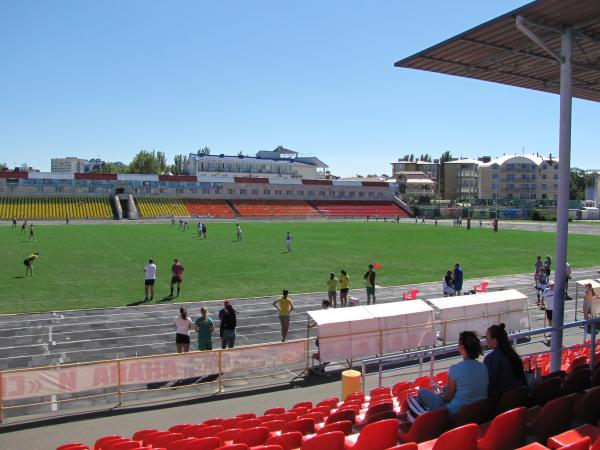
x=494, y=435
x=288, y=441
x=515, y=398
x=139, y=435
x=407, y=446
x=373, y=410
x=332, y=401
x=230, y=423
x=306, y=404
x=164, y=440
x=299, y=411
x=547, y=390
x=577, y=381
x=441, y=378
x=267, y=418
x=208, y=431
x=268, y=447
x=249, y=423
x=287, y=416
x=345, y=426
x=325, y=409
x=252, y=436
x=228, y=435
x=587, y=408
x=355, y=396
x=422, y=382
x=215, y=421
x=477, y=412
x=277, y=410
x=246, y=416
x=426, y=427
x=553, y=417
x=304, y=426
x=376, y=417
x=380, y=390
x=344, y=414
x=180, y=427
x=274, y=425
x=318, y=417
x=463, y=438
x=125, y=445
x=400, y=387
x=571, y=436
x=233, y=447
x=73, y=446
x=375, y=436
x=334, y=440
x=112, y=437
x=183, y=444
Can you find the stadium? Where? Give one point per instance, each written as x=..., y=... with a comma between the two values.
x=91, y=360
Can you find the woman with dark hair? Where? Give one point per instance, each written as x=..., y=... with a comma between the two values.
x=467, y=381
x=182, y=329
x=504, y=365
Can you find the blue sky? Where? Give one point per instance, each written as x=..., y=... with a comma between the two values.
x=107, y=78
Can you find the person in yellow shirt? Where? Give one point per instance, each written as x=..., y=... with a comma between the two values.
x=344, y=281
x=331, y=289
x=285, y=306
x=29, y=264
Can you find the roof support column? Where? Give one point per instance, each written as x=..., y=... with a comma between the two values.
x=562, y=212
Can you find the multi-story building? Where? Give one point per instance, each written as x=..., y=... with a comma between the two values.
x=279, y=163
x=524, y=177
x=70, y=164
x=461, y=180
x=431, y=169
x=415, y=187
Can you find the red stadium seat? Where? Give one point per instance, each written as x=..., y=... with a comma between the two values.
x=493, y=435
x=252, y=436
x=248, y=423
x=463, y=438
x=215, y=421
x=229, y=434
x=277, y=410
x=410, y=295
x=375, y=436
x=400, y=387
x=230, y=423
x=233, y=447
x=180, y=428
x=575, y=435
x=209, y=443
x=477, y=412
x=515, y=398
x=334, y=440
x=407, y=446
x=288, y=441
x=246, y=416
x=182, y=444
x=577, y=381
x=427, y=426
x=306, y=404
x=318, y=417
x=163, y=441
x=111, y=437
x=586, y=408
x=127, y=445
x=332, y=401
x=345, y=426
x=304, y=426
x=287, y=416
x=268, y=447
x=211, y=430
x=139, y=435
x=72, y=446
x=553, y=417
x=380, y=390
x=274, y=425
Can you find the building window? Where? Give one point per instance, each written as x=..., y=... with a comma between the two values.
x=532, y=196
x=380, y=194
x=266, y=192
x=242, y=191
x=341, y=193
x=289, y=192
x=254, y=191
x=277, y=192
x=371, y=194
x=544, y=186
x=556, y=176
x=311, y=193
x=161, y=190
x=300, y=193
x=361, y=193
x=495, y=176
x=231, y=191
x=351, y=194
x=322, y=193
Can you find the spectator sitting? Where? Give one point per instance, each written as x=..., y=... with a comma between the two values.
x=504, y=365
x=448, y=284
x=467, y=382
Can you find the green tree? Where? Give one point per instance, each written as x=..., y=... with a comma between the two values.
x=3, y=166
x=180, y=165
x=577, y=181
x=446, y=156
x=204, y=151
x=425, y=157
x=161, y=159
x=145, y=162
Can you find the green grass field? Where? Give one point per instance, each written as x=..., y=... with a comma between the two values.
x=82, y=266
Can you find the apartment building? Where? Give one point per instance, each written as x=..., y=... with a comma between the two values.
x=461, y=180
x=69, y=164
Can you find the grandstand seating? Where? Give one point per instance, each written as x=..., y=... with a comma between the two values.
x=358, y=209
x=378, y=421
x=208, y=208
x=274, y=208
x=55, y=208
x=161, y=207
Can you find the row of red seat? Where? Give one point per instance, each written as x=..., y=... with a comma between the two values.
x=358, y=209
x=210, y=208
x=274, y=208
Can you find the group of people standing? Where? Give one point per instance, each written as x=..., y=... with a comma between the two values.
x=150, y=278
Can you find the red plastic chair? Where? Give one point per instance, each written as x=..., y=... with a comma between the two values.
x=329, y=441
x=182, y=444
x=380, y=390
x=163, y=441
x=228, y=435
x=408, y=446
x=581, y=444
x=301, y=410
x=246, y=416
x=400, y=387
x=268, y=447
x=381, y=415
x=355, y=396
x=463, y=438
x=287, y=417
x=325, y=409
x=375, y=436
x=318, y=417
x=332, y=401
x=233, y=447
x=127, y=445
x=553, y=417
x=586, y=409
x=482, y=287
x=515, y=398
x=304, y=426
x=345, y=426
x=288, y=441
x=277, y=410
x=410, y=295
x=203, y=432
x=427, y=426
x=274, y=425
x=211, y=422
x=230, y=423
x=252, y=436
x=180, y=428
x=303, y=405
x=477, y=412
x=111, y=437
x=139, y=435
x=577, y=381
x=573, y=436
x=494, y=435
x=209, y=443
x=249, y=423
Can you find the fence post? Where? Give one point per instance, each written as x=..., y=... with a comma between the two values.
x=220, y=371
x=593, y=346
x=1, y=397
x=119, y=392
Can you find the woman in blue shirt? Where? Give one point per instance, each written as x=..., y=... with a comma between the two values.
x=467, y=380
x=504, y=365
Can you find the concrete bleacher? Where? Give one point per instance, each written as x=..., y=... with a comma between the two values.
x=209, y=208
x=55, y=208
x=161, y=207
x=359, y=209
x=274, y=208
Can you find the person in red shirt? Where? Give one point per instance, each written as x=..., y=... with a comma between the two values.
x=177, y=277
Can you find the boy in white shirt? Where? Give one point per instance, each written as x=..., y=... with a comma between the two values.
x=149, y=279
